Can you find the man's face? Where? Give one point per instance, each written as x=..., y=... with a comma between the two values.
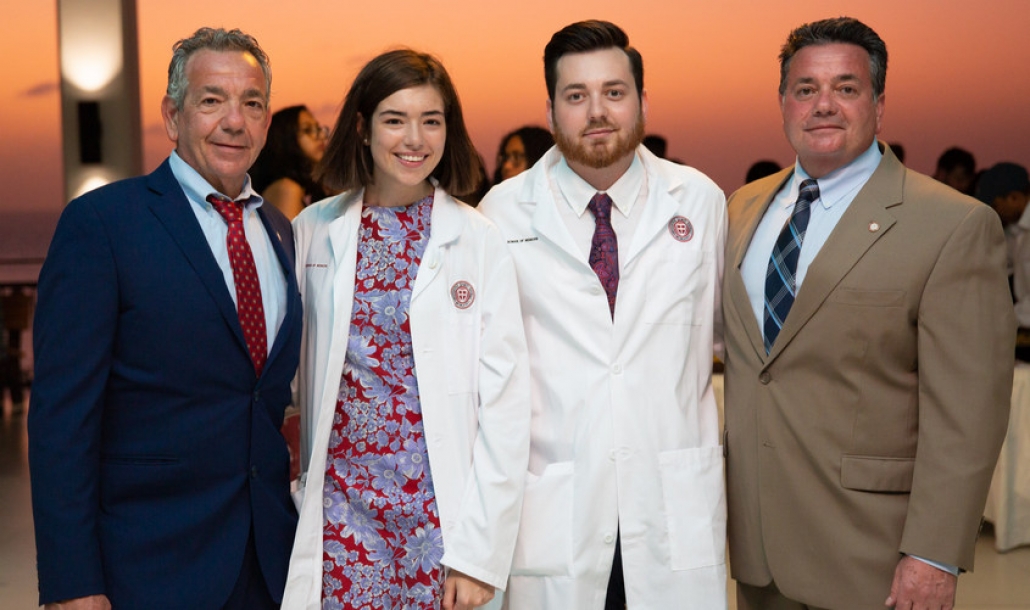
x=1010, y=207
x=829, y=114
x=224, y=118
x=596, y=116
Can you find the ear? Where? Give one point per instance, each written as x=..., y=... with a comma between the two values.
x=643, y=104
x=879, y=112
x=550, y=115
x=170, y=115
x=362, y=130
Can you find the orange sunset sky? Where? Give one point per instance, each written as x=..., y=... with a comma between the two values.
x=959, y=71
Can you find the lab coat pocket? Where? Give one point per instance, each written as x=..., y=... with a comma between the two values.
x=695, y=506
x=544, y=544
x=674, y=285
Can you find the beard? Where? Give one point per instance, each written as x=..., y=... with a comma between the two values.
x=599, y=156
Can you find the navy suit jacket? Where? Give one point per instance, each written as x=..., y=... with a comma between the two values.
x=154, y=448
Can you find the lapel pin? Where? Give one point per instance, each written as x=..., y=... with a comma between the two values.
x=874, y=227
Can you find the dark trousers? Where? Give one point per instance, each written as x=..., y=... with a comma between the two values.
x=250, y=592
x=10, y=367
x=616, y=599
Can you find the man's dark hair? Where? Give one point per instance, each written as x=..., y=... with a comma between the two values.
x=844, y=30
x=586, y=36
x=957, y=157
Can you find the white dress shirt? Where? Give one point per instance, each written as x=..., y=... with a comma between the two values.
x=269, y=269
x=628, y=195
x=1019, y=255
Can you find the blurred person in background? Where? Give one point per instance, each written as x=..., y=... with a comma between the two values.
x=520, y=149
x=956, y=167
x=284, y=171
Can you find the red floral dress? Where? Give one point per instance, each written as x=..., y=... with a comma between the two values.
x=382, y=542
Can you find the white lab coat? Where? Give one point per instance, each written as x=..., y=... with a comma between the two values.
x=472, y=374
x=625, y=437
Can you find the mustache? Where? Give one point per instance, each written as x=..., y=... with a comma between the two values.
x=598, y=124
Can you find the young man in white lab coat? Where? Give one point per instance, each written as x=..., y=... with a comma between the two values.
x=624, y=503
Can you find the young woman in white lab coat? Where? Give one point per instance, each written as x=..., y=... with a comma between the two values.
x=413, y=382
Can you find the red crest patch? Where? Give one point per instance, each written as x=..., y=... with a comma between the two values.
x=463, y=294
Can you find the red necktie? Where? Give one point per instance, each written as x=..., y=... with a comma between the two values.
x=244, y=275
x=604, y=247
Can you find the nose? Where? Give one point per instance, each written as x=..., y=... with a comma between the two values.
x=597, y=108
x=413, y=135
x=825, y=103
x=233, y=119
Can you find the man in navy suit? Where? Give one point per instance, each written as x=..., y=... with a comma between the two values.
x=160, y=478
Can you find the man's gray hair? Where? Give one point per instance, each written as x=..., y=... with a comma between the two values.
x=213, y=39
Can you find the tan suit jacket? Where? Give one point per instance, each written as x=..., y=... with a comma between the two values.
x=873, y=426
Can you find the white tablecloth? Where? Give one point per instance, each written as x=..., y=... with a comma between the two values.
x=1008, y=503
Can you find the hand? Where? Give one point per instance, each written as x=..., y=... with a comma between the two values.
x=93, y=602
x=462, y=592
x=920, y=586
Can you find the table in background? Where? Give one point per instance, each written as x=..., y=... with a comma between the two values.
x=1008, y=503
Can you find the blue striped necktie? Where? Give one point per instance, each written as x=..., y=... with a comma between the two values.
x=781, y=278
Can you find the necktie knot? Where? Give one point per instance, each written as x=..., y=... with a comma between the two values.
x=808, y=192
x=230, y=210
x=601, y=206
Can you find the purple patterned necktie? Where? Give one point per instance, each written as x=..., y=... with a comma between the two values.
x=604, y=247
x=244, y=274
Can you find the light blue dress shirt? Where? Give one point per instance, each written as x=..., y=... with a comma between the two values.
x=269, y=269
x=836, y=192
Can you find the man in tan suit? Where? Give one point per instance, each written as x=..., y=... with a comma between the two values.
x=862, y=428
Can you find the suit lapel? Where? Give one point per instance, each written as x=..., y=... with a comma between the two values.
x=547, y=222
x=446, y=224
x=866, y=220
x=659, y=209
x=172, y=209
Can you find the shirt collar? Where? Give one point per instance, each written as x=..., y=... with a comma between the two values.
x=840, y=184
x=578, y=192
x=197, y=188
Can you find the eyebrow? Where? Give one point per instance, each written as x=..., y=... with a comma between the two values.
x=805, y=80
x=405, y=115
x=213, y=89
x=216, y=90
x=606, y=84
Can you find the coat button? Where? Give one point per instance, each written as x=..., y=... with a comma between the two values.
x=765, y=377
x=253, y=472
